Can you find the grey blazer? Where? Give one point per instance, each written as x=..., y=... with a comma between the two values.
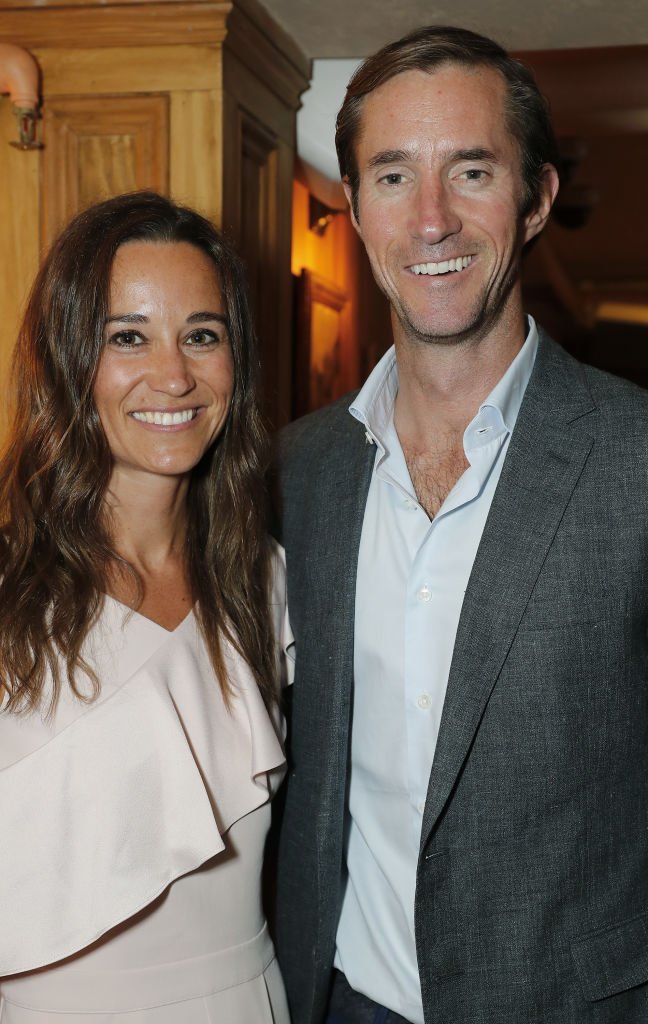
x=532, y=880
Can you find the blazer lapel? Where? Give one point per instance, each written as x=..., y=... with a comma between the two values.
x=342, y=494
x=322, y=531
x=545, y=459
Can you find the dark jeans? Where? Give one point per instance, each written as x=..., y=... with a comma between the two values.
x=349, y=1007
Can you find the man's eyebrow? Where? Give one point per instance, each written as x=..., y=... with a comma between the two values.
x=391, y=156
x=399, y=156
x=473, y=154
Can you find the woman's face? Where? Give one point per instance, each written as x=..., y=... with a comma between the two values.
x=165, y=377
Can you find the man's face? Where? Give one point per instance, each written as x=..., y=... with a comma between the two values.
x=439, y=202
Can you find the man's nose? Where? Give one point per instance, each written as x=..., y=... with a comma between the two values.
x=170, y=371
x=434, y=216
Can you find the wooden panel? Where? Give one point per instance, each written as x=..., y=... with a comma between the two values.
x=254, y=180
x=258, y=212
x=283, y=294
x=257, y=240
x=95, y=149
x=268, y=52
x=322, y=330
x=152, y=23
x=250, y=92
x=90, y=72
x=195, y=170
x=19, y=238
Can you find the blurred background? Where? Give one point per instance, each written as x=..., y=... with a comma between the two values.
x=230, y=107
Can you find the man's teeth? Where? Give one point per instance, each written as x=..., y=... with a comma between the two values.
x=444, y=267
x=165, y=419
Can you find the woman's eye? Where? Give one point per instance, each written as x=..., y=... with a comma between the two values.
x=125, y=339
x=201, y=338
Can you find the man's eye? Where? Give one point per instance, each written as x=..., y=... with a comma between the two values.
x=125, y=339
x=475, y=174
x=393, y=178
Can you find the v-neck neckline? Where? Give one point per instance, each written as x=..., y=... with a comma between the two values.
x=145, y=618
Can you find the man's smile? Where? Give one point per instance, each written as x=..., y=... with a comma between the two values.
x=443, y=267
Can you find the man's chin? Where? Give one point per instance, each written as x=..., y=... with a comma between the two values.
x=442, y=334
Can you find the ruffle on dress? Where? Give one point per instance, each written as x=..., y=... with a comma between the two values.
x=104, y=806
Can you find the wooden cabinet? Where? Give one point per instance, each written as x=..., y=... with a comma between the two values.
x=197, y=100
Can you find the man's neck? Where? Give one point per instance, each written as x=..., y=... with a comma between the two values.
x=442, y=384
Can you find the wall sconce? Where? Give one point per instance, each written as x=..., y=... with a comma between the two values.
x=319, y=215
x=19, y=76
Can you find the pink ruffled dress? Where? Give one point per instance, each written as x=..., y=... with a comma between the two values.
x=131, y=840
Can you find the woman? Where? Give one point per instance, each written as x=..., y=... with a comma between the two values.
x=141, y=615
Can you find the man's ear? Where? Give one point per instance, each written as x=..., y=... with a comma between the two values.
x=535, y=221
x=348, y=191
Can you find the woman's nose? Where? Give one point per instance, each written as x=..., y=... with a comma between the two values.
x=170, y=371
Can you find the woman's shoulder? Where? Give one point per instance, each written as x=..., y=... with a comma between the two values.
x=115, y=647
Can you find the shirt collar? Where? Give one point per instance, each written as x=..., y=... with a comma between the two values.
x=374, y=404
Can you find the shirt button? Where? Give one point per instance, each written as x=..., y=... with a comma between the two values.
x=424, y=594
x=410, y=504
x=423, y=701
x=420, y=808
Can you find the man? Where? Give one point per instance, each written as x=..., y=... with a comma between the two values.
x=466, y=827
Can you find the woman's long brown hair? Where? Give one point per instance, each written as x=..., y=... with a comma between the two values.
x=56, y=550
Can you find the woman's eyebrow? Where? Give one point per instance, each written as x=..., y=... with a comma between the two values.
x=128, y=318
x=195, y=318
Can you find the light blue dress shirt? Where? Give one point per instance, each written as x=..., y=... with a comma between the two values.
x=412, y=576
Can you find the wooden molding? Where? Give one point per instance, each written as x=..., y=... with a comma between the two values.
x=27, y=5
x=265, y=49
x=19, y=174
x=196, y=134
x=144, y=23
x=96, y=72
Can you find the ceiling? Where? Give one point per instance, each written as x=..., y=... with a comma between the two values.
x=344, y=28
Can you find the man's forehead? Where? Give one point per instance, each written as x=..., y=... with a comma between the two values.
x=448, y=97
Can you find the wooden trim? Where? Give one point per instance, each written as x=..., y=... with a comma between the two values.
x=150, y=69
x=25, y=5
x=19, y=175
x=251, y=93
x=265, y=49
x=148, y=24
x=195, y=177
x=270, y=29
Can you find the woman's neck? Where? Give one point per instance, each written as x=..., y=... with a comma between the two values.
x=147, y=518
